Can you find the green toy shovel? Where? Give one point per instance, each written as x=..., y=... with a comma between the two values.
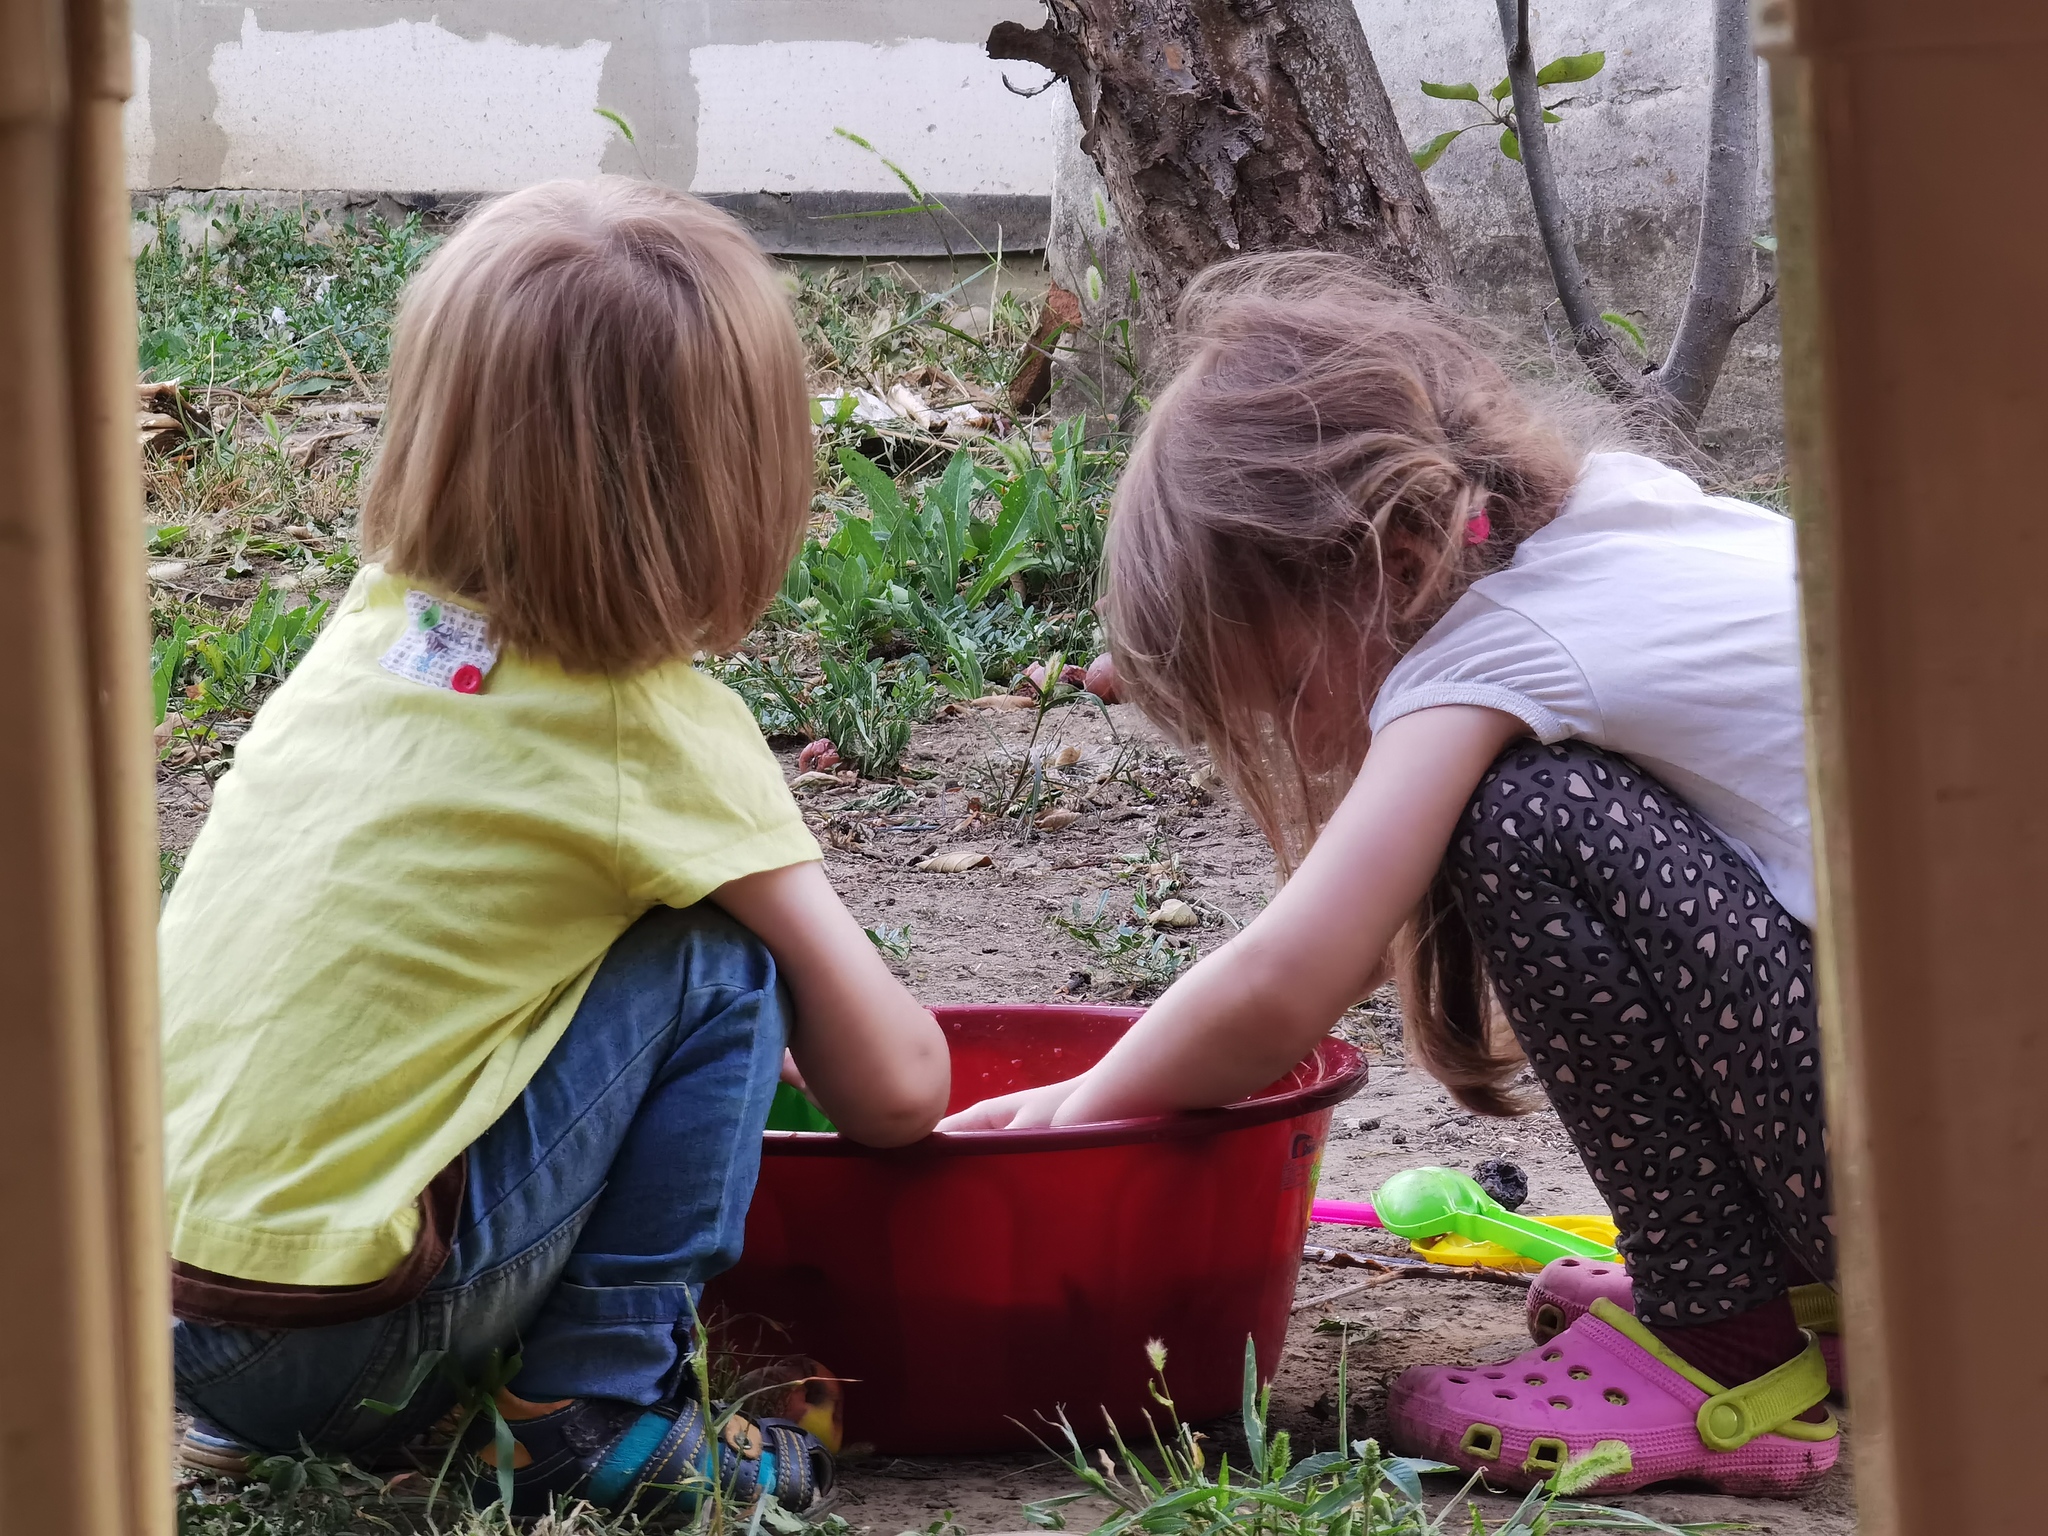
x=1428, y=1202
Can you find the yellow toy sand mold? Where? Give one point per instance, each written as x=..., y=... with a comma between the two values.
x=1452, y=1249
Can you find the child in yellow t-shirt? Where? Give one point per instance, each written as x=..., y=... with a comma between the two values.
x=477, y=984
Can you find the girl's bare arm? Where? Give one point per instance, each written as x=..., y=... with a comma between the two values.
x=871, y=1056
x=1246, y=1014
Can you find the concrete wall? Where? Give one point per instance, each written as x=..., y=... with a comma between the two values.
x=739, y=99
x=735, y=98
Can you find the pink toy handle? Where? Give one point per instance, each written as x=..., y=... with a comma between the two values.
x=1344, y=1213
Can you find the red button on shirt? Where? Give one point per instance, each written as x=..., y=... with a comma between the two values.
x=467, y=679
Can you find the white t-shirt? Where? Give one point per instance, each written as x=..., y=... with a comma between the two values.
x=1656, y=621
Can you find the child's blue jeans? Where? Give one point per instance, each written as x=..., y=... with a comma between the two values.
x=597, y=1207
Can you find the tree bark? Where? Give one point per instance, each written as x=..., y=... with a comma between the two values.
x=1722, y=259
x=1223, y=127
x=1591, y=337
x=1676, y=391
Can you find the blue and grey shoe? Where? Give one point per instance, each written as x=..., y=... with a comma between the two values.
x=204, y=1448
x=621, y=1456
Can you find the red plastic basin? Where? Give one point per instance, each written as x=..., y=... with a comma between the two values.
x=983, y=1278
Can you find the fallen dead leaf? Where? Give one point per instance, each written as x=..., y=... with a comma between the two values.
x=1003, y=701
x=1057, y=820
x=954, y=861
x=1067, y=757
x=1174, y=914
x=816, y=779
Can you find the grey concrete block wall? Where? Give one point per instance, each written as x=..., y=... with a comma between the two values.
x=739, y=99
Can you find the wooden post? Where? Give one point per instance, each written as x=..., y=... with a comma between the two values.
x=84, y=1372
x=1912, y=224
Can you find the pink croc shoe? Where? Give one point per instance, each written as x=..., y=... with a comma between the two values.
x=1608, y=1378
x=1568, y=1287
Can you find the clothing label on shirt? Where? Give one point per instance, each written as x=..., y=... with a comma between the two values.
x=442, y=646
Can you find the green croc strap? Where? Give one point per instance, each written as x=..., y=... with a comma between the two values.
x=1731, y=1417
x=1816, y=1308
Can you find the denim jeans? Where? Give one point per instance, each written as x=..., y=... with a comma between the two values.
x=597, y=1207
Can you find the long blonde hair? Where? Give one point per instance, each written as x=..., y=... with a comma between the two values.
x=1305, y=489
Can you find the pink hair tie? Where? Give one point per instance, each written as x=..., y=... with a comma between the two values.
x=1477, y=528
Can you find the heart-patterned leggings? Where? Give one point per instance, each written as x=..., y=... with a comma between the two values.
x=1666, y=1002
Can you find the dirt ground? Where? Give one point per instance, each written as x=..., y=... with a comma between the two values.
x=987, y=935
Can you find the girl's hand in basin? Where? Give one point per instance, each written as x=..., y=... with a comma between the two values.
x=1030, y=1109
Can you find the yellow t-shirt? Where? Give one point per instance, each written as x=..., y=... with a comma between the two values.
x=393, y=910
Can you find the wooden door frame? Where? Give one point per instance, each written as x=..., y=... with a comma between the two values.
x=85, y=1395
x=1912, y=222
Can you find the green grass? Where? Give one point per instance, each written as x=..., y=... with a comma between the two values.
x=1354, y=1489
x=279, y=303
x=1184, y=1484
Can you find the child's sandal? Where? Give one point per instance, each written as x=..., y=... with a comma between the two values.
x=203, y=1448
x=1608, y=1378
x=618, y=1456
x=1567, y=1287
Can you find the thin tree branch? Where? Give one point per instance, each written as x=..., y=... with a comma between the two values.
x=1770, y=292
x=1721, y=258
x=1591, y=338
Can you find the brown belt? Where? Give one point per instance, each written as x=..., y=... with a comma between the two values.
x=226, y=1301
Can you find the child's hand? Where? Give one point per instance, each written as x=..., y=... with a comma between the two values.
x=1028, y=1110
x=1244, y=1015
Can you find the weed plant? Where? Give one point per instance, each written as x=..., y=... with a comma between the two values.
x=1353, y=1490
x=207, y=668
x=945, y=589
x=1143, y=958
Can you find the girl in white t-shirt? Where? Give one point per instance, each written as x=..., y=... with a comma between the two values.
x=1525, y=719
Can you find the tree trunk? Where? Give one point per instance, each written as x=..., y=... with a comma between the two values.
x=1672, y=395
x=1224, y=127
x=1724, y=256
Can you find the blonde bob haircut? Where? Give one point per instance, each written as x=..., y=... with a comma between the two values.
x=597, y=428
